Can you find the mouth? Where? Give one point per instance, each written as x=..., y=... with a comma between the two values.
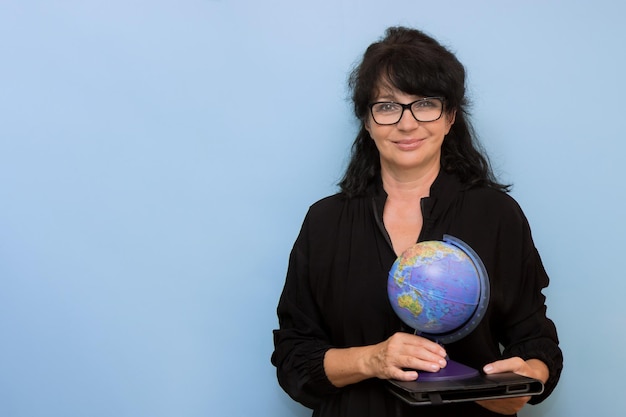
x=408, y=144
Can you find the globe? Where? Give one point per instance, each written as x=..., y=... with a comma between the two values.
x=439, y=288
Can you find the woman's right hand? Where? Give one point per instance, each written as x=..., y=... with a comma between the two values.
x=400, y=357
x=403, y=355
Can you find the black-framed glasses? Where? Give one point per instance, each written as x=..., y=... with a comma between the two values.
x=426, y=109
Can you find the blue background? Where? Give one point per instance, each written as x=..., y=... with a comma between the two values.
x=157, y=159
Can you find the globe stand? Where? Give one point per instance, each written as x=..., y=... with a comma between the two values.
x=453, y=371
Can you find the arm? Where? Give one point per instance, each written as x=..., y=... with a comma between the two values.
x=533, y=336
x=300, y=342
x=528, y=335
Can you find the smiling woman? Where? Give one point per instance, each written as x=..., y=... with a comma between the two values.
x=415, y=174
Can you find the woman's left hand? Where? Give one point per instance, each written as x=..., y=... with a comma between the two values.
x=532, y=368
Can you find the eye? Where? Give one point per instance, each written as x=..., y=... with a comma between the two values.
x=386, y=107
x=427, y=103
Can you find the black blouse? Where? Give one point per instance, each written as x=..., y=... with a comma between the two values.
x=335, y=295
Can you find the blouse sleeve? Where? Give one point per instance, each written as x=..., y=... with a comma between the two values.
x=301, y=341
x=528, y=332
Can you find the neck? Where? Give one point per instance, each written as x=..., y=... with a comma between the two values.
x=409, y=185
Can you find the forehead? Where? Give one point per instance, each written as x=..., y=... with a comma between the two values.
x=385, y=91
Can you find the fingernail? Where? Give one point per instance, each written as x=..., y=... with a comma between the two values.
x=443, y=363
x=488, y=368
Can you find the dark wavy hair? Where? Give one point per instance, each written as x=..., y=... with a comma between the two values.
x=415, y=64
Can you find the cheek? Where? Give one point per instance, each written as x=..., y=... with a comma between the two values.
x=377, y=133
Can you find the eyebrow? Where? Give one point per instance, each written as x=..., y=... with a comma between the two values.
x=392, y=98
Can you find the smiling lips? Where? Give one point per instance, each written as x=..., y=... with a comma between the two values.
x=408, y=144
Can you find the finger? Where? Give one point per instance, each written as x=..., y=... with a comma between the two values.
x=431, y=346
x=432, y=364
x=418, y=343
x=516, y=365
x=409, y=368
x=404, y=375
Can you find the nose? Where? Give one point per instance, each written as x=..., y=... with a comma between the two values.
x=407, y=120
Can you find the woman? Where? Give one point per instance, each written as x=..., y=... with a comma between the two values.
x=416, y=174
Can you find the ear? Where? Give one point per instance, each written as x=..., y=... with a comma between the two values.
x=366, y=125
x=450, y=119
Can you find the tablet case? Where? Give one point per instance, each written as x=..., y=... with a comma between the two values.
x=480, y=387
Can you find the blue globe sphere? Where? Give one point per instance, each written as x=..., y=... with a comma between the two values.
x=439, y=288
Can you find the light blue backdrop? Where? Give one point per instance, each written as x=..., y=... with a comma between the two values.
x=157, y=159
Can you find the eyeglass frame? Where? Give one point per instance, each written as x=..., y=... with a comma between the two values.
x=407, y=107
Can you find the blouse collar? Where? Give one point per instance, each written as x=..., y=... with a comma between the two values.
x=442, y=192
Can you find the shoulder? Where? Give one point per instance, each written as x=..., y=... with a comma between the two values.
x=494, y=204
x=334, y=206
x=491, y=195
x=329, y=202
x=326, y=207
x=491, y=213
x=474, y=202
x=335, y=215
x=497, y=215
x=321, y=214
